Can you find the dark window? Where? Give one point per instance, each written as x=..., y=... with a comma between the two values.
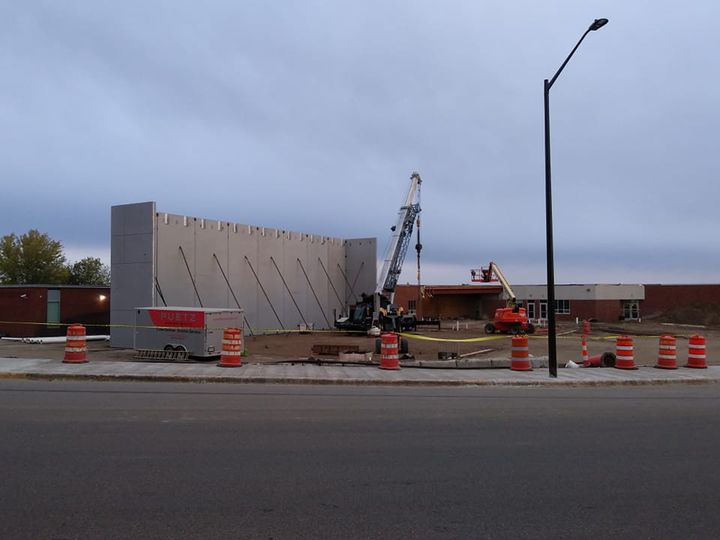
x=53, y=306
x=562, y=307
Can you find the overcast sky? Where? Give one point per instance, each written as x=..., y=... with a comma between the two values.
x=311, y=116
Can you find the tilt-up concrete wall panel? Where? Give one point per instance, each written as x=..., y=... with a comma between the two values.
x=211, y=240
x=243, y=242
x=132, y=257
x=280, y=278
x=173, y=233
x=359, y=253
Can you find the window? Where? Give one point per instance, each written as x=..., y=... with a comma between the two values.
x=562, y=307
x=631, y=310
x=412, y=305
x=531, y=310
x=53, y=306
x=543, y=310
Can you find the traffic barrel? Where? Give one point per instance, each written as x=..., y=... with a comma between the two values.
x=231, y=354
x=624, y=353
x=519, y=360
x=696, y=352
x=667, y=355
x=75, y=345
x=389, y=358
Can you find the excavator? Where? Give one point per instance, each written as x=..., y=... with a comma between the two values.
x=378, y=309
x=511, y=319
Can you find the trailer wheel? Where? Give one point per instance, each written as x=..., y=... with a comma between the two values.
x=404, y=346
x=168, y=348
x=489, y=328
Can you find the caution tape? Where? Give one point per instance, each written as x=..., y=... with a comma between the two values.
x=451, y=340
x=259, y=331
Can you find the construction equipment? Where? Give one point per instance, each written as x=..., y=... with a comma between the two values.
x=511, y=319
x=378, y=309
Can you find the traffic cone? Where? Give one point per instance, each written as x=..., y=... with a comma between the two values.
x=585, y=358
x=519, y=360
x=75, y=345
x=667, y=355
x=389, y=358
x=696, y=352
x=231, y=354
x=586, y=327
x=624, y=353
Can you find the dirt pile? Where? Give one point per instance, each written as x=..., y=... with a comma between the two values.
x=706, y=314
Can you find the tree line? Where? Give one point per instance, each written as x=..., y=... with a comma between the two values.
x=35, y=258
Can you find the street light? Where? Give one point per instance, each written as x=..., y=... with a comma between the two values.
x=552, y=340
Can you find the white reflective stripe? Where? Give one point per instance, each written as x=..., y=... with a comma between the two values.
x=667, y=356
x=520, y=348
x=232, y=342
x=75, y=349
x=625, y=358
x=624, y=347
x=698, y=356
x=389, y=357
x=693, y=346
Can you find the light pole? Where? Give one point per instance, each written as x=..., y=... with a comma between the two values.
x=552, y=339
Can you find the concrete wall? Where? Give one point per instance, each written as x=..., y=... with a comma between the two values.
x=280, y=278
x=132, y=266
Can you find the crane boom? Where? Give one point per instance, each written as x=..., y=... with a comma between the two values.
x=400, y=240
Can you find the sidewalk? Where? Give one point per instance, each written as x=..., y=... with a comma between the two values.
x=24, y=368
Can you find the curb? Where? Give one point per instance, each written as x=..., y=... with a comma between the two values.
x=342, y=382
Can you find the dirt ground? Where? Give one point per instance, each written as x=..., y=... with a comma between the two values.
x=295, y=346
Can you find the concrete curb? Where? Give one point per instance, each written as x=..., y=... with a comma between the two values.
x=347, y=381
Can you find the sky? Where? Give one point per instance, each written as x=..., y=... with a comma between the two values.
x=311, y=116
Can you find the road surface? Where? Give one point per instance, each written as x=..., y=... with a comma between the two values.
x=151, y=460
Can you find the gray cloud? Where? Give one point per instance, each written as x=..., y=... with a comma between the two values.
x=311, y=116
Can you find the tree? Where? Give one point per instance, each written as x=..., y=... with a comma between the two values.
x=89, y=271
x=31, y=258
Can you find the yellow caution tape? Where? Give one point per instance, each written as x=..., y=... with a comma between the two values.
x=449, y=340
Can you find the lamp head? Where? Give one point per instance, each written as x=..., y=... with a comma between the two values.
x=598, y=24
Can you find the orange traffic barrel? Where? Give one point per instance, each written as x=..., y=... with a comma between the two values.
x=624, y=353
x=231, y=354
x=585, y=359
x=389, y=358
x=667, y=355
x=519, y=360
x=696, y=352
x=75, y=345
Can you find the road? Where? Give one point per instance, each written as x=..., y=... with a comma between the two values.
x=150, y=460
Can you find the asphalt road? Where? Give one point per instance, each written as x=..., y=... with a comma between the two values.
x=150, y=460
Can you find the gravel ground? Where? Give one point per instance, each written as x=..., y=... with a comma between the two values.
x=268, y=349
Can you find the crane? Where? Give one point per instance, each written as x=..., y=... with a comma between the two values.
x=398, y=245
x=378, y=309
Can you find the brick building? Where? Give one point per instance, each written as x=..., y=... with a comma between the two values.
x=44, y=310
x=601, y=302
